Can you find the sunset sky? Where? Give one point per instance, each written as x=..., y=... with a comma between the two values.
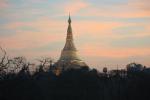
x=107, y=33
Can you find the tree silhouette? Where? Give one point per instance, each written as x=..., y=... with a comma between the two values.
x=16, y=82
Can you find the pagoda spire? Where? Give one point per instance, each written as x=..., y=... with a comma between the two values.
x=69, y=30
x=69, y=39
x=69, y=20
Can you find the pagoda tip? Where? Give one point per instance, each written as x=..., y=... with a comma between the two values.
x=69, y=20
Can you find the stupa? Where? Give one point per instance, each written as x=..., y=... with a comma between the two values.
x=69, y=58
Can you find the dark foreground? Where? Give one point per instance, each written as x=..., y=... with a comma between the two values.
x=83, y=84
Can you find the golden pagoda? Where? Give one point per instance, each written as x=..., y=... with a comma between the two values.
x=69, y=58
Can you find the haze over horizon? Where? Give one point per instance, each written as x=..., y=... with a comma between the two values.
x=107, y=33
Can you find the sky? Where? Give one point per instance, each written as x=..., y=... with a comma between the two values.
x=107, y=33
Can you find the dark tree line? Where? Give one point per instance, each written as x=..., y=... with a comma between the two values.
x=17, y=82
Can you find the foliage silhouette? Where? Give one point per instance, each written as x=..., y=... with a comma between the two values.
x=71, y=84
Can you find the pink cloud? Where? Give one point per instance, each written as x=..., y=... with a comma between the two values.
x=134, y=14
x=140, y=4
x=130, y=13
x=38, y=1
x=41, y=24
x=75, y=6
x=27, y=39
x=3, y=4
x=105, y=29
x=132, y=9
x=99, y=51
x=46, y=31
x=94, y=27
